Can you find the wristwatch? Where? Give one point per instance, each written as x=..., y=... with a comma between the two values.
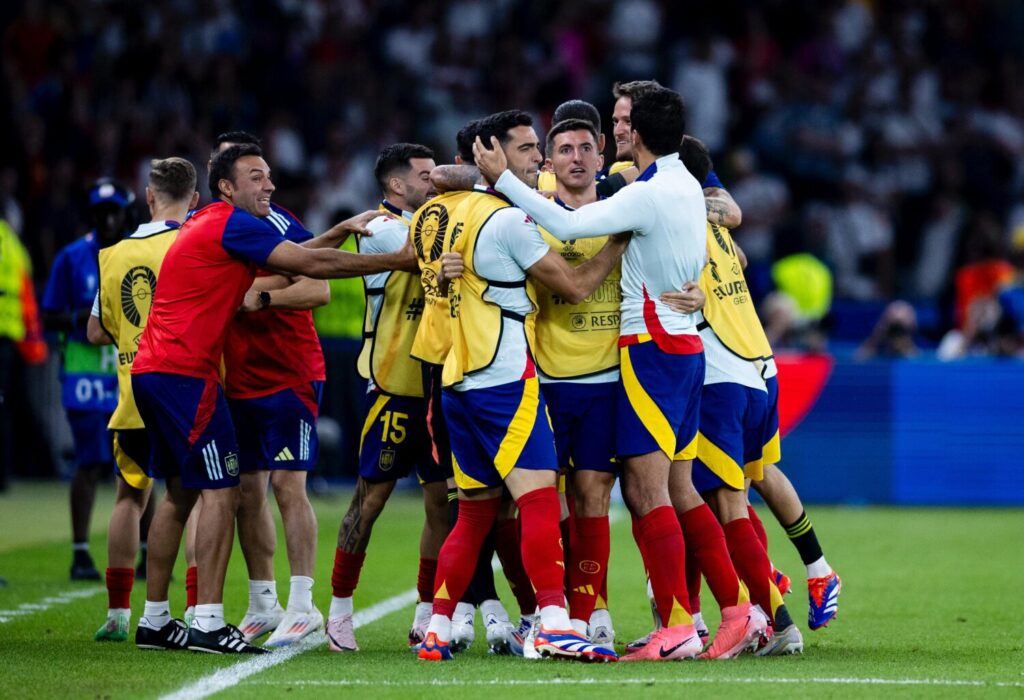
x=264, y=298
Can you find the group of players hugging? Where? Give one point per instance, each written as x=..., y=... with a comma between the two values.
x=536, y=327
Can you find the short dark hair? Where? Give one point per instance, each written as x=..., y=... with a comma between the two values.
x=577, y=109
x=464, y=140
x=634, y=88
x=696, y=157
x=500, y=123
x=174, y=178
x=236, y=138
x=223, y=165
x=396, y=157
x=569, y=125
x=660, y=118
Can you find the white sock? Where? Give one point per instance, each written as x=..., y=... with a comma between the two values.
x=818, y=568
x=209, y=617
x=579, y=625
x=113, y=612
x=465, y=610
x=493, y=607
x=156, y=614
x=441, y=626
x=600, y=617
x=262, y=595
x=300, y=596
x=340, y=606
x=554, y=617
x=698, y=619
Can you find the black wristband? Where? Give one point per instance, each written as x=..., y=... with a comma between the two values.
x=264, y=297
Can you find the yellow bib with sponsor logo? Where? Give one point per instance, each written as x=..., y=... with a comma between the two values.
x=128, y=278
x=477, y=324
x=433, y=228
x=729, y=311
x=388, y=335
x=546, y=181
x=577, y=340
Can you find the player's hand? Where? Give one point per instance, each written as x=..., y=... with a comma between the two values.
x=452, y=267
x=688, y=301
x=491, y=161
x=357, y=224
x=250, y=302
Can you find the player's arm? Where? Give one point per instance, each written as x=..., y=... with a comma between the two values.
x=302, y=294
x=451, y=178
x=722, y=208
x=329, y=263
x=337, y=234
x=574, y=284
x=740, y=255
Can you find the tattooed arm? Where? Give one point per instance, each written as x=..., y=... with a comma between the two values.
x=722, y=208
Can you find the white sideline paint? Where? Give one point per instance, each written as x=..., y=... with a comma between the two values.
x=49, y=602
x=449, y=682
x=233, y=675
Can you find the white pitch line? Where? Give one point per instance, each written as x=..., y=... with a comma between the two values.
x=447, y=682
x=48, y=602
x=233, y=675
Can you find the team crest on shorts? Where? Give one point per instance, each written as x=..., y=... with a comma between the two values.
x=231, y=463
x=386, y=459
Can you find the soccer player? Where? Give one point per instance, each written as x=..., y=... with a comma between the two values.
x=128, y=273
x=395, y=439
x=491, y=400
x=88, y=373
x=661, y=356
x=176, y=375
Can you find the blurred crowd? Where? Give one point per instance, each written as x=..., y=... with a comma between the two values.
x=876, y=148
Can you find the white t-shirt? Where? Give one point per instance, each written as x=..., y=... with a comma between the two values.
x=506, y=247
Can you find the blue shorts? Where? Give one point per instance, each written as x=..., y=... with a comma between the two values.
x=278, y=431
x=394, y=441
x=659, y=402
x=496, y=429
x=583, y=418
x=92, y=439
x=733, y=423
x=131, y=455
x=190, y=430
x=772, y=452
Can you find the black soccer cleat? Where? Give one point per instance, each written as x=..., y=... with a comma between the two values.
x=226, y=640
x=173, y=636
x=83, y=568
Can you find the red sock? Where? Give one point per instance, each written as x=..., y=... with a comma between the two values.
x=751, y=563
x=762, y=534
x=602, y=598
x=191, y=587
x=425, y=579
x=707, y=543
x=541, y=545
x=567, y=531
x=692, y=576
x=347, y=567
x=457, y=560
x=506, y=543
x=665, y=558
x=588, y=565
x=119, y=587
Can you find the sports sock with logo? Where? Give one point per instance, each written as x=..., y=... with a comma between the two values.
x=209, y=617
x=588, y=565
x=119, y=587
x=664, y=553
x=801, y=534
x=300, y=594
x=507, y=544
x=191, y=586
x=542, y=552
x=345, y=576
x=262, y=595
x=457, y=559
x=762, y=534
x=155, y=614
x=425, y=579
x=752, y=564
x=706, y=542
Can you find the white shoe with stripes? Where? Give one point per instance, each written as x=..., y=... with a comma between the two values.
x=294, y=627
x=226, y=640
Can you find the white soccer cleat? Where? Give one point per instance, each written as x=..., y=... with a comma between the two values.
x=530, y=641
x=341, y=635
x=601, y=631
x=463, y=632
x=294, y=627
x=256, y=624
x=420, y=622
x=784, y=642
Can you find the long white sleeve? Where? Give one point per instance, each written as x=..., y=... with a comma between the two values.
x=627, y=210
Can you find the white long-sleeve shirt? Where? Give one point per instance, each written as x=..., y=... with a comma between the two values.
x=665, y=210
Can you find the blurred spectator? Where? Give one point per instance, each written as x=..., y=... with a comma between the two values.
x=860, y=240
x=893, y=336
x=985, y=272
x=764, y=199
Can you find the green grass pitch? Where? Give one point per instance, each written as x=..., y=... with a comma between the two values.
x=927, y=610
